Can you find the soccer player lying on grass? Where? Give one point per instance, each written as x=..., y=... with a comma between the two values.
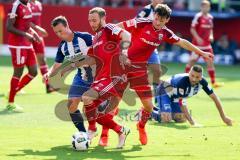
x=147, y=35
x=173, y=93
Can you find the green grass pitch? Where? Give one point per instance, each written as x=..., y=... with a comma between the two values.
x=37, y=134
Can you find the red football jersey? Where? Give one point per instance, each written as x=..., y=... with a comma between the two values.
x=106, y=50
x=203, y=26
x=23, y=15
x=36, y=8
x=145, y=38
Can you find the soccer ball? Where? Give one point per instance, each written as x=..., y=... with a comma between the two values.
x=80, y=141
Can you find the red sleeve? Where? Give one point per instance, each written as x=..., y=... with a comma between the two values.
x=195, y=20
x=130, y=25
x=14, y=12
x=133, y=24
x=115, y=31
x=170, y=37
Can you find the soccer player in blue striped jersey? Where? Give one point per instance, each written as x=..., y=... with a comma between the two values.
x=172, y=96
x=154, y=60
x=73, y=44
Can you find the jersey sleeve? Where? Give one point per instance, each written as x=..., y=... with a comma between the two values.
x=143, y=13
x=88, y=38
x=14, y=12
x=195, y=20
x=133, y=24
x=170, y=37
x=60, y=56
x=115, y=31
x=85, y=41
x=206, y=87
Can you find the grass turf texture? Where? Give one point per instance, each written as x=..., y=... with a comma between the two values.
x=37, y=134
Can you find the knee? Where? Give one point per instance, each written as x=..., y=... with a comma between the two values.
x=33, y=72
x=72, y=107
x=86, y=99
x=166, y=117
x=157, y=72
x=179, y=118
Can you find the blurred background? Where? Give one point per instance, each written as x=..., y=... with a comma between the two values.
x=226, y=14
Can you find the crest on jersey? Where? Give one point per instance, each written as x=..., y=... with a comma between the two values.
x=99, y=34
x=181, y=91
x=148, y=32
x=160, y=36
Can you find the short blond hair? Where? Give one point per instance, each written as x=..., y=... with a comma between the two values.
x=205, y=2
x=100, y=11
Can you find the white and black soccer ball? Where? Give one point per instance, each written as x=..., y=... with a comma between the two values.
x=80, y=141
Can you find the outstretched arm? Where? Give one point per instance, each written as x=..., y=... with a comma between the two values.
x=218, y=104
x=191, y=47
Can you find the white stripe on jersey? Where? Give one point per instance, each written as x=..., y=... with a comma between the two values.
x=62, y=49
x=14, y=9
x=70, y=48
x=83, y=46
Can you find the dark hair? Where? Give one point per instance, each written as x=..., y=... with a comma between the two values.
x=100, y=11
x=163, y=10
x=59, y=19
x=197, y=68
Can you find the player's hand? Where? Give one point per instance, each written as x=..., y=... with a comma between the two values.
x=199, y=41
x=44, y=33
x=124, y=61
x=227, y=120
x=37, y=37
x=30, y=37
x=207, y=55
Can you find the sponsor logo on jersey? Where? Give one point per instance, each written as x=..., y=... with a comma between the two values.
x=149, y=42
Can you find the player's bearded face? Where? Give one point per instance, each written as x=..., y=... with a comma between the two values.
x=95, y=21
x=194, y=77
x=159, y=22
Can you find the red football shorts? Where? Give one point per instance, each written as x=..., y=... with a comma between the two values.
x=108, y=87
x=139, y=82
x=22, y=57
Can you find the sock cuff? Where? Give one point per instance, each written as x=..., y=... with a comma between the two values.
x=15, y=78
x=30, y=76
x=43, y=66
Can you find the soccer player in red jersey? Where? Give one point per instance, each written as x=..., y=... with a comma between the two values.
x=110, y=79
x=39, y=47
x=147, y=35
x=202, y=32
x=20, y=39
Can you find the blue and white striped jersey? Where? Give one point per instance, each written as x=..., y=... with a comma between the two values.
x=182, y=88
x=146, y=12
x=78, y=46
